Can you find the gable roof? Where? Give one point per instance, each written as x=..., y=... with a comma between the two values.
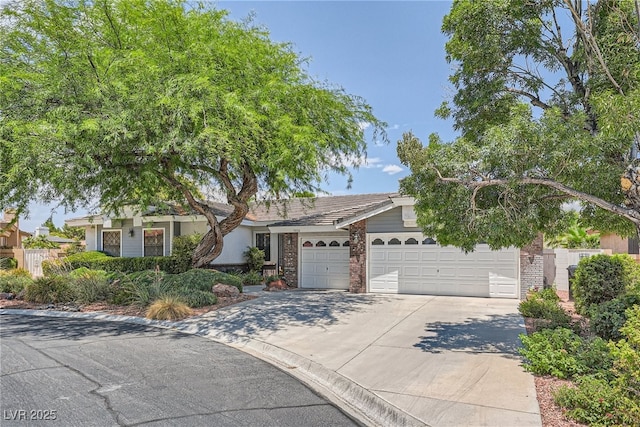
x=312, y=211
x=320, y=210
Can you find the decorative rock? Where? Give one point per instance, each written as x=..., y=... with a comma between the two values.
x=6, y=295
x=222, y=290
x=276, y=285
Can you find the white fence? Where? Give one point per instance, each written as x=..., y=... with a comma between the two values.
x=566, y=257
x=33, y=260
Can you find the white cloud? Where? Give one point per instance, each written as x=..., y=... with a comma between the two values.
x=373, y=162
x=392, y=169
x=394, y=127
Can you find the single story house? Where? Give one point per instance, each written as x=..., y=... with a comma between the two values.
x=361, y=243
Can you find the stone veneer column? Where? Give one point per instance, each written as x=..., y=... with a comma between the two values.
x=290, y=252
x=358, y=257
x=531, y=266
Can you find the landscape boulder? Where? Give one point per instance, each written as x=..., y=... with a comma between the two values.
x=276, y=285
x=222, y=290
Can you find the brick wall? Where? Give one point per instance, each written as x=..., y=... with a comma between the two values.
x=358, y=257
x=290, y=259
x=531, y=266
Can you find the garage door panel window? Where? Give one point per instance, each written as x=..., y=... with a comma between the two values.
x=378, y=242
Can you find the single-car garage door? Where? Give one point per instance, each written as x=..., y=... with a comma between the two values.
x=410, y=263
x=325, y=262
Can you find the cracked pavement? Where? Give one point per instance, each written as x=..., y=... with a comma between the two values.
x=94, y=373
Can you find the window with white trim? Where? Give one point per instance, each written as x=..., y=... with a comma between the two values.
x=111, y=242
x=153, y=241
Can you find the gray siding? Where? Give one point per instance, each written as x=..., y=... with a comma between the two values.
x=388, y=222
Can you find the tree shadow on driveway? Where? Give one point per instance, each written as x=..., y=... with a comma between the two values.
x=495, y=334
x=272, y=313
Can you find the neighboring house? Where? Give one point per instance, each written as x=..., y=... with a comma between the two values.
x=619, y=245
x=364, y=243
x=10, y=234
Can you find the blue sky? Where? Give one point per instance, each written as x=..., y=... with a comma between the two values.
x=391, y=53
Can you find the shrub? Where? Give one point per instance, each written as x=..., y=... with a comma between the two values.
x=168, y=308
x=626, y=354
x=142, y=288
x=544, y=305
x=100, y=261
x=251, y=278
x=203, y=280
x=552, y=352
x=182, y=250
x=14, y=283
x=195, y=298
x=607, y=318
x=601, y=278
x=90, y=285
x=8, y=263
x=255, y=258
x=593, y=401
x=54, y=289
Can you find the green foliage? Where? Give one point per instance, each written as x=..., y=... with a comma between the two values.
x=252, y=278
x=168, y=308
x=601, y=278
x=99, y=261
x=544, y=304
x=14, y=283
x=562, y=353
x=574, y=236
x=90, y=286
x=593, y=402
x=611, y=399
x=39, y=242
x=8, y=263
x=144, y=287
x=183, y=249
x=255, y=258
x=204, y=280
x=607, y=318
x=139, y=99
x=194, y=287
x=45, y=290
x=195, y=297
x=534, y=131
x=626, y=353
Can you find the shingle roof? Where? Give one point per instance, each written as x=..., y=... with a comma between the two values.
x=318, y=210
x=292, y=212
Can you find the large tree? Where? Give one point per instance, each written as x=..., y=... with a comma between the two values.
x=547, y=105
x=124, y=102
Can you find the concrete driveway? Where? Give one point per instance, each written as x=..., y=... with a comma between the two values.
x=389, y=360
x=400, y=359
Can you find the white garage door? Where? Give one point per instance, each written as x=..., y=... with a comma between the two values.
x=412, y=264
x=325, y=262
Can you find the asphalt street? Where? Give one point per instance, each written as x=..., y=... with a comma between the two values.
x=79, y=372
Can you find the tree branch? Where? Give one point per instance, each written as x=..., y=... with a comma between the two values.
x=630, y=214
x=535, y=100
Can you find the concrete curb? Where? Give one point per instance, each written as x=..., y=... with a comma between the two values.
x=349, y=396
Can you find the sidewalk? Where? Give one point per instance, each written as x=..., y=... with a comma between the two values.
x=391, y=360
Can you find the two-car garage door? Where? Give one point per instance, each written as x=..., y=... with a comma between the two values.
x=412, y=264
